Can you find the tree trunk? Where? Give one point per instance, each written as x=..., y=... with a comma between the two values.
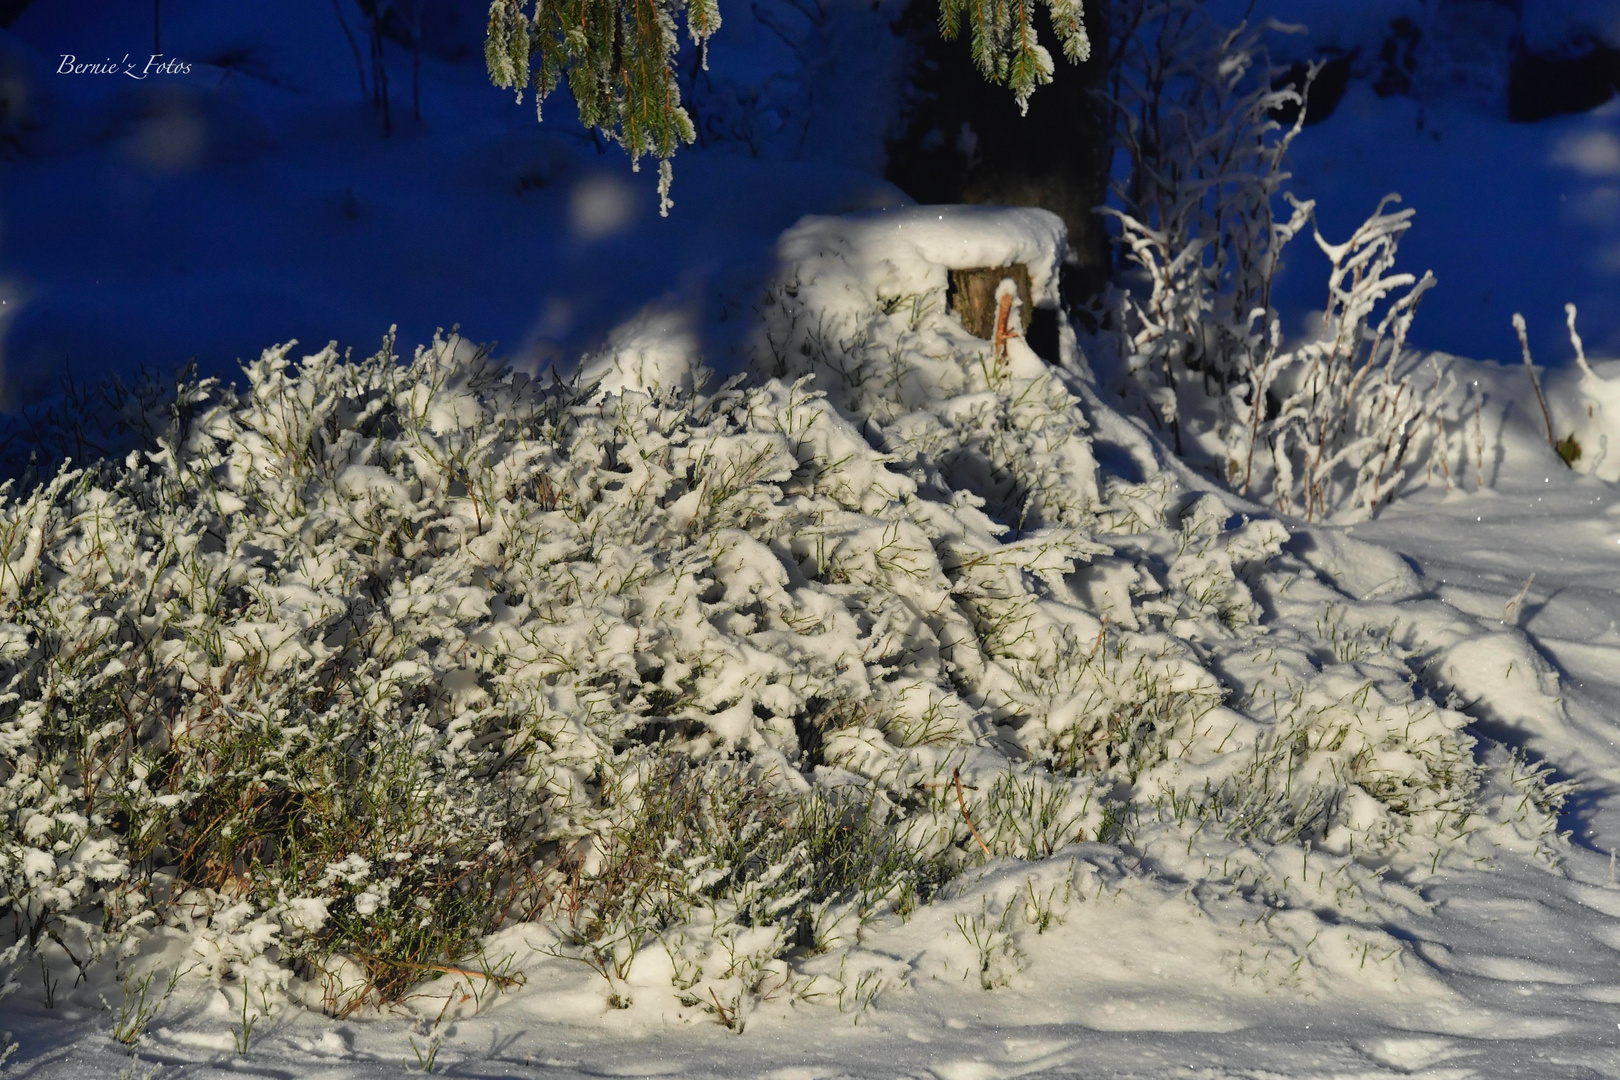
x=964, y=141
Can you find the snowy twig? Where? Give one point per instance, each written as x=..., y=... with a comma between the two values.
x=1535, y=383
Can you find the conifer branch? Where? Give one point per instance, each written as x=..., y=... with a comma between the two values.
x=618, y=57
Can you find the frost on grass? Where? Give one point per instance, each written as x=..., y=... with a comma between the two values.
x=353, y=667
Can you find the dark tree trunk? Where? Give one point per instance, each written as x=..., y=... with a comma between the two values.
x=962, y=139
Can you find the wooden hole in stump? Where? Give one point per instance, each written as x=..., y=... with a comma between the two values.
x=973, y=296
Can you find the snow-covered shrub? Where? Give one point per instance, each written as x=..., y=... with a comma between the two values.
x=348, y=669
x=1327, y=427
x=1198, y=199
x=1342, y=435
x=1152, y=651
x=349, y=664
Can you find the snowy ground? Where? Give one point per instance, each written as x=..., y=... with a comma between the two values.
x=1526, y=960
x=1510, y=971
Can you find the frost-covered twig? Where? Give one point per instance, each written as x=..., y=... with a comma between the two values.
x=1320, y=428
x=1535, y=383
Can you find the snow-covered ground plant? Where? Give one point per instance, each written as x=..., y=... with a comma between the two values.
x=1173, y=651
x=1322, y=428
x=354, y=667
x=348, y=666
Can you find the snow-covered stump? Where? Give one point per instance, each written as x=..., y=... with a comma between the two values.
x=936, y=259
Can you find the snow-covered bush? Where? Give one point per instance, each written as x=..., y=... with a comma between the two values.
x=348, y=669
x=332, y=651
x=1110, y=669
x=1327, y=427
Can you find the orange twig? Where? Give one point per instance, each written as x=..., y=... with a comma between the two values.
x=1003, y=332
x=956, y=778
x=726, y=1017
x=1095, y=645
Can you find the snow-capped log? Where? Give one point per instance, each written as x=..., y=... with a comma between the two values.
x=968, y=249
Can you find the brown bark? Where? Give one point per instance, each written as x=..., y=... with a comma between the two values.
x=973, y=296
